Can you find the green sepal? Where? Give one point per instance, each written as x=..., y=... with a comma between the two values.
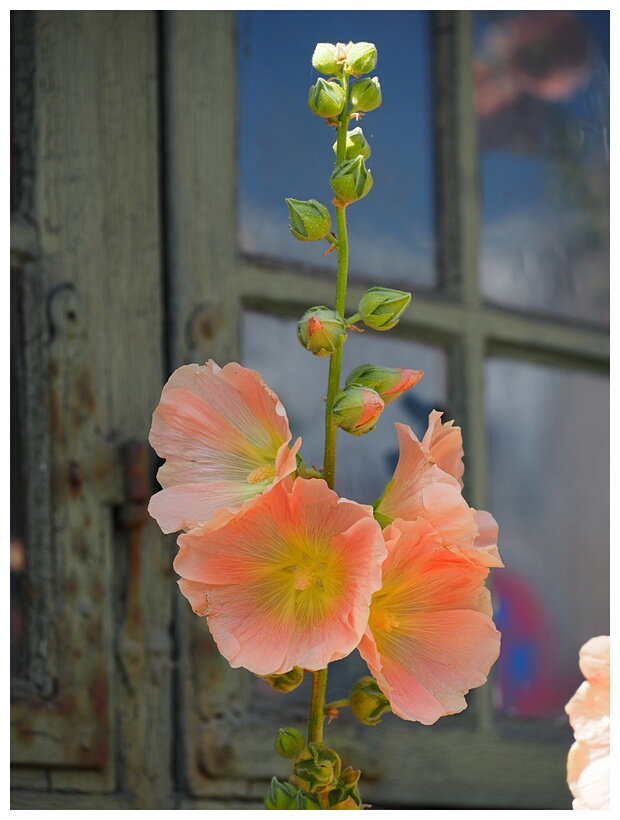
x=326, y=99
x=310, y=221
x=361, y=58
x=324, y=58
x=367, y=701
x=289, y=742
x=285, y=682
x=280, y=795
x=357, y=145
x=365, y=95
x=321, y=330
x=317, y=768
x=303, y=800
x=381, y=308
x=351, y=180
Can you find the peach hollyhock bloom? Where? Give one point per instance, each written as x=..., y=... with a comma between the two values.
x=588, y=710
x=287, y=581
x=430, y=637
x=427, y=482
x=224, y=435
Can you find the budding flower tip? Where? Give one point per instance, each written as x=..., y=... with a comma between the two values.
x=314, y=325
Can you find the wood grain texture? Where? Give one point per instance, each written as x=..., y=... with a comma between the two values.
x=203, y=298
x=100, y=272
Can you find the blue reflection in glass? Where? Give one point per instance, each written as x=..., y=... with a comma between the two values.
x=542, y=100
x=548, y=468
x=286, y=151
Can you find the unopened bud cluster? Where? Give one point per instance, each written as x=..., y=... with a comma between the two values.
x=352, y=58
x=345, y=94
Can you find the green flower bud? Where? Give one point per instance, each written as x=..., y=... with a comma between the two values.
x=351, y=180
x=321, y=331
x=381, y=308
x=289, y=742
x=389, y=382
x=324, y=58
x=365, y=95
x=317, y=768
x=357, y=409
x=357, y=145
x=303, y=800
x=361, y=58
x=368, y=702
x=285, y=682
x=310, y=221
x=326, y=99
x=280, y=795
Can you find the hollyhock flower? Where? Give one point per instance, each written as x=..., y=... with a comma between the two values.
x=430, y=637
x=287, y=581
x=427, y=482
x=225, y=437
x=588, y=710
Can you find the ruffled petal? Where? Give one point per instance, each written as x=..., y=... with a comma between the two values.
x=430, y=638
x=589, y=713
x=416, y=470
x=224, y=435
x=445, y=443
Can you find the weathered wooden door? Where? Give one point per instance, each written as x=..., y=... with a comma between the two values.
x=126, y=261
x=92, y=701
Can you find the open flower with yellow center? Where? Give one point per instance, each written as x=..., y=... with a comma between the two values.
x=430, y=636
x=286, y=581
x=427, y=482
x=225, y=437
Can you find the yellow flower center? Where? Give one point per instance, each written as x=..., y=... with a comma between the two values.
x=265, y=473
x=383, y=621
x=311, y=579
x=306, y=576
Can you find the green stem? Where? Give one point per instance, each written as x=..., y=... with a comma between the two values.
x=316, y=716
x=335, y=360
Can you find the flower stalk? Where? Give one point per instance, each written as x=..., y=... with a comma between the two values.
x=316, y=715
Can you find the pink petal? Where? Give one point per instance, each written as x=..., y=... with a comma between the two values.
x=416, y=469
x=224, y=435
x=445, y=443
x=589, y=713
x=594, y=660
x=430, y=638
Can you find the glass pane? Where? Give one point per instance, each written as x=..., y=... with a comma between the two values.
x=285, y=150
x=548, y=462
x=365, y=463
x=542, y=99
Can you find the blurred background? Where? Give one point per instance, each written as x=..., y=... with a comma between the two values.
x=151, y=153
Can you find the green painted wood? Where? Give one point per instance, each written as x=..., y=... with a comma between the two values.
x=443, y=321
x=203, y=301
